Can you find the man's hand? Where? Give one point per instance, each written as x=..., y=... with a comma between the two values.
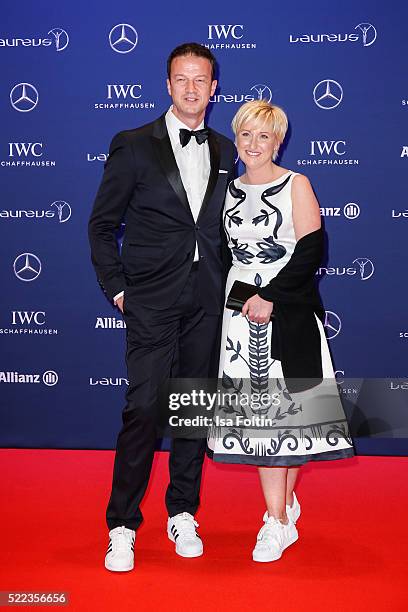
x=119, y=304
x=257, y=309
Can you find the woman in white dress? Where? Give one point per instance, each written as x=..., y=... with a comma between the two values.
x=270, y=217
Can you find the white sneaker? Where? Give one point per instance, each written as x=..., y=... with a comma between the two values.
x=181, y=529
x=120, y=553
x=273, y=538
x=293, y=511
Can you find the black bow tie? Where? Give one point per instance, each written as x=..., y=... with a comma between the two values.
x=200, y=136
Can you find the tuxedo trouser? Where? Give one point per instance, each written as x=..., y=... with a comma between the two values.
x=181, y=340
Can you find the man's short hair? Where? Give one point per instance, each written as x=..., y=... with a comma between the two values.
x=192, y=48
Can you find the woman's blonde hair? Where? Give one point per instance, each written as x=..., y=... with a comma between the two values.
x=264, y=113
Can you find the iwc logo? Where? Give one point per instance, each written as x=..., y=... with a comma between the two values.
x=328, y=153
x=228, y=37
x=124, y=96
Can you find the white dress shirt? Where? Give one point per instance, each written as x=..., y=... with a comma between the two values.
x=193, y=162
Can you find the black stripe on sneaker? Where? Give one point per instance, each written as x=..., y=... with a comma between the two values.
x=176, y=536
x=173, y=529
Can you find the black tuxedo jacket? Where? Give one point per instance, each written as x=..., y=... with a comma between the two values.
x=142, y=186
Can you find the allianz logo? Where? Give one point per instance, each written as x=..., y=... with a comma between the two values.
x=109, y=323
x=350, y=211
x=108, y=382
x=364, y=268
x=49, y=378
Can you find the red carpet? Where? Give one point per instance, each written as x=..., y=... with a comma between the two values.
x=351, y=554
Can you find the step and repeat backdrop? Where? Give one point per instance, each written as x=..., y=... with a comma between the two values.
x=74, y=74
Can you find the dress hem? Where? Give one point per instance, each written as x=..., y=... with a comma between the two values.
x=282, y=461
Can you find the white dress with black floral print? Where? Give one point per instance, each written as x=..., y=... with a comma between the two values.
x=280, y=428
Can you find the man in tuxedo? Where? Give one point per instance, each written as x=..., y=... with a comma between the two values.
x=167, y=180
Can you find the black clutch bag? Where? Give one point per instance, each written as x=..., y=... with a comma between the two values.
x=239, y=294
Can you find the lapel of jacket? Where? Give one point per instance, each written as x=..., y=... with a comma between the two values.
x=164, y=152
x=214, y=148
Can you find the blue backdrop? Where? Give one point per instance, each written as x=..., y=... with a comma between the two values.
x=73, y=75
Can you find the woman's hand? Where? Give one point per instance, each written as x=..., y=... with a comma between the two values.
x=257, y=309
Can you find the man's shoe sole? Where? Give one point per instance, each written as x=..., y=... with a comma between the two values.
x=122, y=569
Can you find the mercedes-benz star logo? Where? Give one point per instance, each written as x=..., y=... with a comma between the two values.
x=61, y=38
x=366, y=267
x=328, y=94
x=123, y=38
x=64, y=210
x=27, y=267
x=369, y=33
x=263, y=92
x=24, y=97
x=332, y=324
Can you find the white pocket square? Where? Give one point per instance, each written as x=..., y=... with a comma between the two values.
x=223, y=171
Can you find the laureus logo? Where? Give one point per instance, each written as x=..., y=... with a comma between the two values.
x=262, y=92
x=59, y=39
x=364, y=32
x=369, y=33
x=63, y=210
x=365, y=267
